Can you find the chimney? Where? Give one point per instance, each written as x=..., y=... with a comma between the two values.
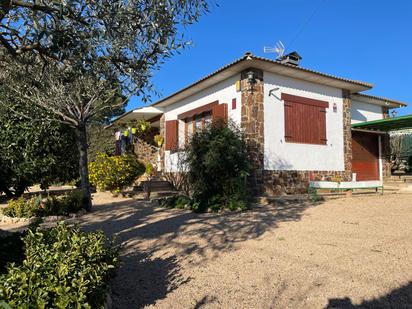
x=292, y=58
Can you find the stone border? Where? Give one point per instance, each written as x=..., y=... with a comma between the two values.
x=11, y=220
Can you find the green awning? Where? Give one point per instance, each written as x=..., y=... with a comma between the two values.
x=387, y=124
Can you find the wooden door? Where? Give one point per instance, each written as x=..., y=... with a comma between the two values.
x=365, y=155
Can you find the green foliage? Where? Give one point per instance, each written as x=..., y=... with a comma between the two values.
x=69, y=203
x=114, y=173
x=22, y=208
x=149, y=168
x=35, y=207
x=64, y=268
x=158, y=139
x=218, y=163
x=121, y=41
x=100, y=140
x=33, y=151
x=176, y=201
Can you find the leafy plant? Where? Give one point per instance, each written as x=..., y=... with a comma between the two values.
x=116, y=172
x=23, y=208
x=64, y=268
x=33, y=151
x=69, y=203
x=158, y=139
x=217, y=160
x=176, y=201
x=36, y=207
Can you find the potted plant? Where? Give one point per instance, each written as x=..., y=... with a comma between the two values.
x=158, y=139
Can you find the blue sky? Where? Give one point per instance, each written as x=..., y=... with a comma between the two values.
x=365, y=40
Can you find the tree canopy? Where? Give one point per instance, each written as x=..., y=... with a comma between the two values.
x=72, y=57
x=33, y=152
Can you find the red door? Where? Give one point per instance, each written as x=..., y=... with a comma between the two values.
x=365, y=155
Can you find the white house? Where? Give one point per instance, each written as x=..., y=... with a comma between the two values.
x=299, y=121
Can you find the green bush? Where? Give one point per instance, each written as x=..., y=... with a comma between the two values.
x=114, y=173
x=176, y=201
x=64, y=268
x=69, y=203
x=36, y=207
x=217, y=159
x=22, y=208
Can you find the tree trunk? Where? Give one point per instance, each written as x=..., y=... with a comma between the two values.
x=83, y=167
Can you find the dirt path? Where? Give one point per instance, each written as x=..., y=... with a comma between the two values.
x=338, y=254
x=346, y=253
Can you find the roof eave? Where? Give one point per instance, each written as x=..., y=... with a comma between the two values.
x=265, y=64
x=390, y=103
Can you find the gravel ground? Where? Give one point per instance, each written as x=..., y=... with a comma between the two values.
x=344, y=253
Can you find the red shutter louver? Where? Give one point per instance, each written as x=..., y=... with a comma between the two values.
x=219, y=112
x=289, y=123
x=172, y=136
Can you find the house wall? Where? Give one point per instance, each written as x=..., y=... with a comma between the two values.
x=284, y=156
x=224, y=92
x=362, y=112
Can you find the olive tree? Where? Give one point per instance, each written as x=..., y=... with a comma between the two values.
x=69, y=56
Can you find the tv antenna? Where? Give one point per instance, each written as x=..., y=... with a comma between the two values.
x=278, y=49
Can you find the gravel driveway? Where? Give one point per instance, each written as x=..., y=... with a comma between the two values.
x=345, y=253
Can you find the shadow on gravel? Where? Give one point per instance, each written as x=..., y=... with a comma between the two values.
x=144, y=277
x=400, y=298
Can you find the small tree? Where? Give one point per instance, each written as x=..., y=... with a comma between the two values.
x=80, y=52
x=218, y=163
x=33, y=151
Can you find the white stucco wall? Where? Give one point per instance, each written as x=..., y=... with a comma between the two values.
x=280, y=155
x=224, y=92
x=362, y=112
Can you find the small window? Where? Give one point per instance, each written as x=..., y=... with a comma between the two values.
x=197, y=123
x=305, y=120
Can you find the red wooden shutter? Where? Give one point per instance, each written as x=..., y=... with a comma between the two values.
x=219, y=112
x=305, y=120
x=289, y=122
x=172, y=136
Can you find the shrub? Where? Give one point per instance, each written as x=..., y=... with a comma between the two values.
x=63, y=268
x=176, y=201
x=217, y=160
x=35, y=207
x=114, y=173
x=22, y=208
x=69, y=203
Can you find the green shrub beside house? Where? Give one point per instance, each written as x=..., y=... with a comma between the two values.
x=217, y=161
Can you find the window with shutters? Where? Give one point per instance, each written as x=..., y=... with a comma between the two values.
x=195, y=123
x=305, y=120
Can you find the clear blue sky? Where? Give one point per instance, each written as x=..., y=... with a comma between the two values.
x=368, y=40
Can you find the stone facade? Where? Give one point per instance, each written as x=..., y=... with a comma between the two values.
x=145, y=152
x=347, y=135
x=252, y=123
x=296, y=182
